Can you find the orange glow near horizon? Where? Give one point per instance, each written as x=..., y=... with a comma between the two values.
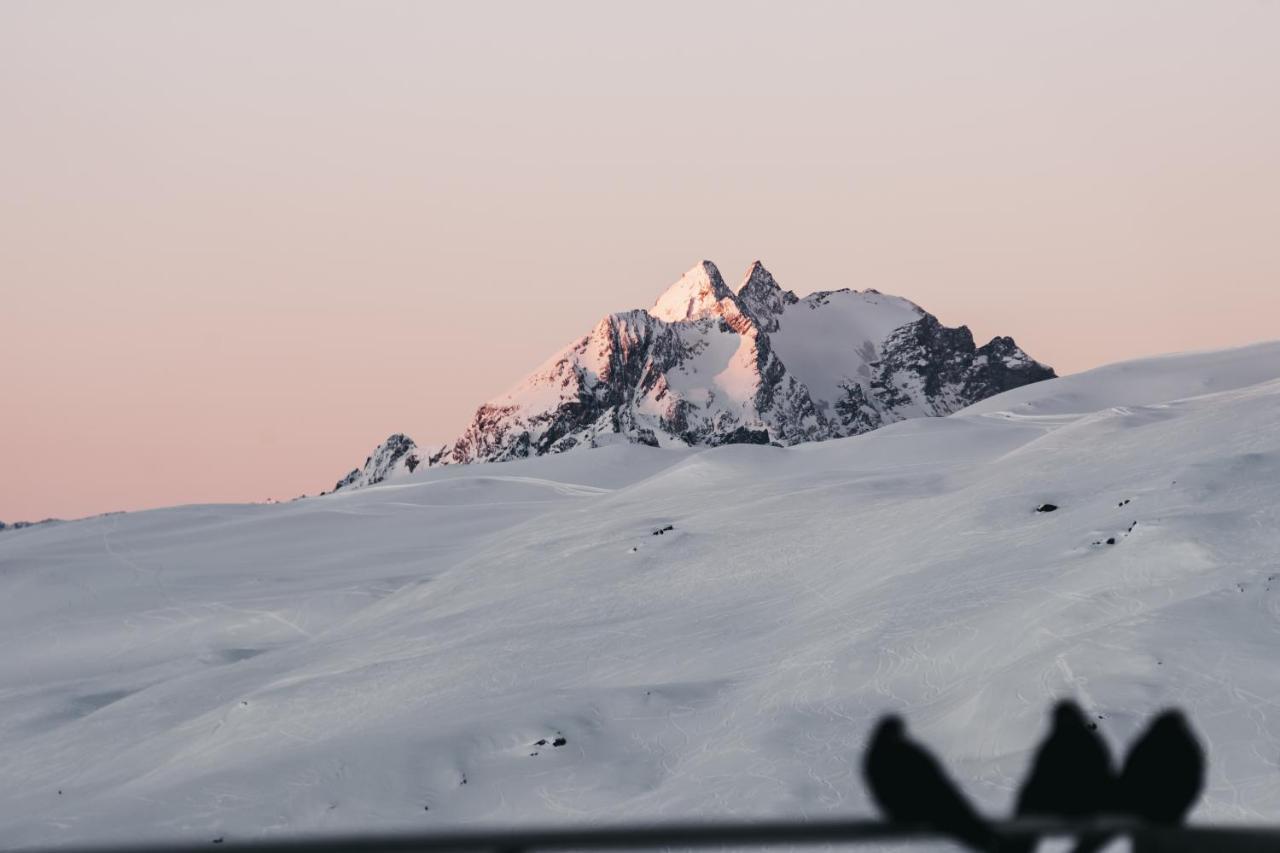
x=241, y=243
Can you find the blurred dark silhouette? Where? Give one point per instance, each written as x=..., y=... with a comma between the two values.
x=1163, y=774
x=1071, y=779
x=1160, y=782
x=910, y=787
x=1072, y=776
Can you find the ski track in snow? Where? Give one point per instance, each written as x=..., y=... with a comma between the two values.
x=345, y=663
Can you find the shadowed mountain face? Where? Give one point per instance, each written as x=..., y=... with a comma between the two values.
x=706, y=366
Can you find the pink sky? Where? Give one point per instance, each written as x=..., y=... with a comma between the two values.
x=242, y=242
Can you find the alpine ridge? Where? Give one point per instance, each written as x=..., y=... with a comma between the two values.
x=706, y=366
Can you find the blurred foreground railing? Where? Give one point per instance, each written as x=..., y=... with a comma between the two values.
x=1149, y=839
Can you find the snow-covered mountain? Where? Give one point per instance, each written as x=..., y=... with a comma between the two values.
x=396, y=456
x=706, y=366
x=405, y=656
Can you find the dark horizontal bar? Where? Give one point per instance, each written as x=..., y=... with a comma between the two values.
x=1242, y=839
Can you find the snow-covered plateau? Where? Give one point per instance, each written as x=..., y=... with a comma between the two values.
x=635, y=632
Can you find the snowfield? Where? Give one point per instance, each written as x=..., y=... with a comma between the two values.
x=405, y=656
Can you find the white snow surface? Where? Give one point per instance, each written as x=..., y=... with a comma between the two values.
x=696, y=294
x=387, y=658
x=858, y=321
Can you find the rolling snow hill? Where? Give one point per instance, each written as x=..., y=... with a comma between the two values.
x=706, y=366
x=407, y=655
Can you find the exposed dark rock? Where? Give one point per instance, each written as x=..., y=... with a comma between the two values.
x=745, y=435
x=396, y=452
x=646, y=436
x=856, y=411
x=22, y=525
x=762, y=299
x=1047, y=508
x=939, y=368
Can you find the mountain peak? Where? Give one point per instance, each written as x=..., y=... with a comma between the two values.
x=396, y=456
x=758, y=281
x=698, y=293
x=757, y=272
x=762, y=298
x=758, y=366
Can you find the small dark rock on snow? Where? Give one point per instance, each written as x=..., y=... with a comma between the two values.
x=1046, y=507
x=662, y=530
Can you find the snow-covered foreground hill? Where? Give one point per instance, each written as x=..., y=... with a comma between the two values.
x=405, y=656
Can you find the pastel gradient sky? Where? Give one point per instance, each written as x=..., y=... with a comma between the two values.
x=242, y=242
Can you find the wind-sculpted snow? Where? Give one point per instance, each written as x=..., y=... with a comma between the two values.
x=347, y=662
x=706, y=366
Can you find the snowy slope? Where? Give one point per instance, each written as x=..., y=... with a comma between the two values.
x=860, y=321
x=1143, y=382
x=707, y=366
x=389, y=657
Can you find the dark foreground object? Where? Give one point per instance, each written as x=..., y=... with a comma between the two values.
x=1071, y=777
x=910, y=787
x=1071, y=791
x=1174, y=840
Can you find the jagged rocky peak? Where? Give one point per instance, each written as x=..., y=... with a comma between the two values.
x=699, y=292
x=707, y=366
x=762, y=298
x=395, y=456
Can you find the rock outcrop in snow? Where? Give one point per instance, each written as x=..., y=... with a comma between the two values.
x=708, y=366
x=398, y=454
x=20, y=525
